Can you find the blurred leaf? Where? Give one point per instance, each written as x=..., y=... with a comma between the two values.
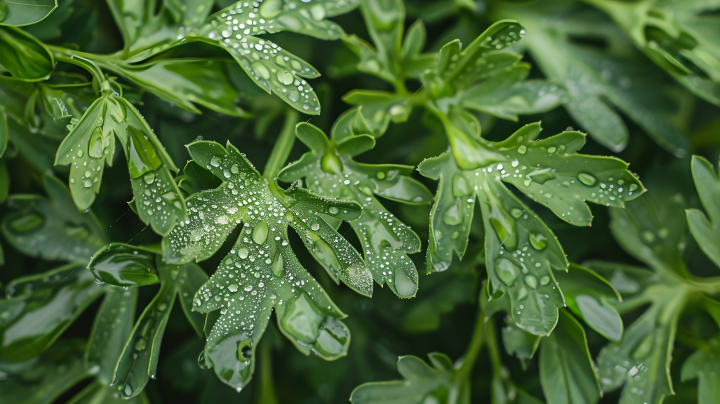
x=677, y=36
x=423, y=383
x=124, y=265
x=704, y=364
x=24, y=56
x=25, y=12
x=52, y=227
x=599, y=79
x=40, y=307
x=42, y=379
x=706, y=229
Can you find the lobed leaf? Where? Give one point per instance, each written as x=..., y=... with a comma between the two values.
x=706, y=229
x=329, y=170
x=422, y=383
x=25, y=12
x=261, y=272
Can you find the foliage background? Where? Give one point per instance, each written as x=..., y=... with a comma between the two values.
x=442, y=316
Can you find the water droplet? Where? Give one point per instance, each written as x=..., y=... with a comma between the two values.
x=506, y=270
x=403, y=284
x=234, y=169
x=243, y=253
x=538, y=241
x=260, y=232
x=333, y=210
x=233, y=288
x=278, y=265
x=285, y=78
x=315, y=227
x=531, y=281
x=317, y=12
x=87, y=184
x=87, y=174
x=505, y=229
x=460, y=185
x=522, y=149
x=380, y=175
x=633, y=187
x=451, y=217
x=140, y=344
x=127, y=391
x=80, y=153
x=522, y=293
x=544, y=280
x=149, y=177
x=542, y=176
x=587, y=179
x=648, y=236
x=516, y=213
x=215, y=161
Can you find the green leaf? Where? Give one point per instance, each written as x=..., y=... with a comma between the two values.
x=590, y=297
x=100, y=392
x=567, y=372
x=25, y=12
x=518, y=244
x=139, y=360
x=40, y=307
x=423, y=383
x=642, y=360
x=235, y=29
x=375, y=111
x=91, y=143
x=186, y=82
x=111, y=329
x=653, y=229
x=706, y=229
x=124, y=265
x=271, y=275
x=704, y=364
x=24, y=56
x=600, y=80
x=678, y=37
x=52, y=228
x=3, y=132
x=44, y=378
x=329, y=169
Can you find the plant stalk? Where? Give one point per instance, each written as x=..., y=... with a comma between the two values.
x=283, y=146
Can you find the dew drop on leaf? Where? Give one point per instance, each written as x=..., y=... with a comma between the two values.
x=531, y=281
x=516, y=213
x=587, y=179
x=538, y=241
x=149, y=177
x=522, y=149
x=260, y=232
x=506, y=270
x=451, y=217
x=333, y=210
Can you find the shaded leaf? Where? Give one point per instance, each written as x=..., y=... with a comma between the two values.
x=24, y=56
x=706, y=229
x=423, y=383
x=25, y=12
x=52, y=227
x=567, y=372
x=124, y=265
x=40, y=307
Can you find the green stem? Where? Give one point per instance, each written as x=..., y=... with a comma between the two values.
x=266, y=392
x=476, y=342
x=492, y=346
x=283, y=145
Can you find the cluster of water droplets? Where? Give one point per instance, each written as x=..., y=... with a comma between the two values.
x=261, y=271
x=386, y=241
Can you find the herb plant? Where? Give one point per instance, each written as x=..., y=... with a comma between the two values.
x=423, y=182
